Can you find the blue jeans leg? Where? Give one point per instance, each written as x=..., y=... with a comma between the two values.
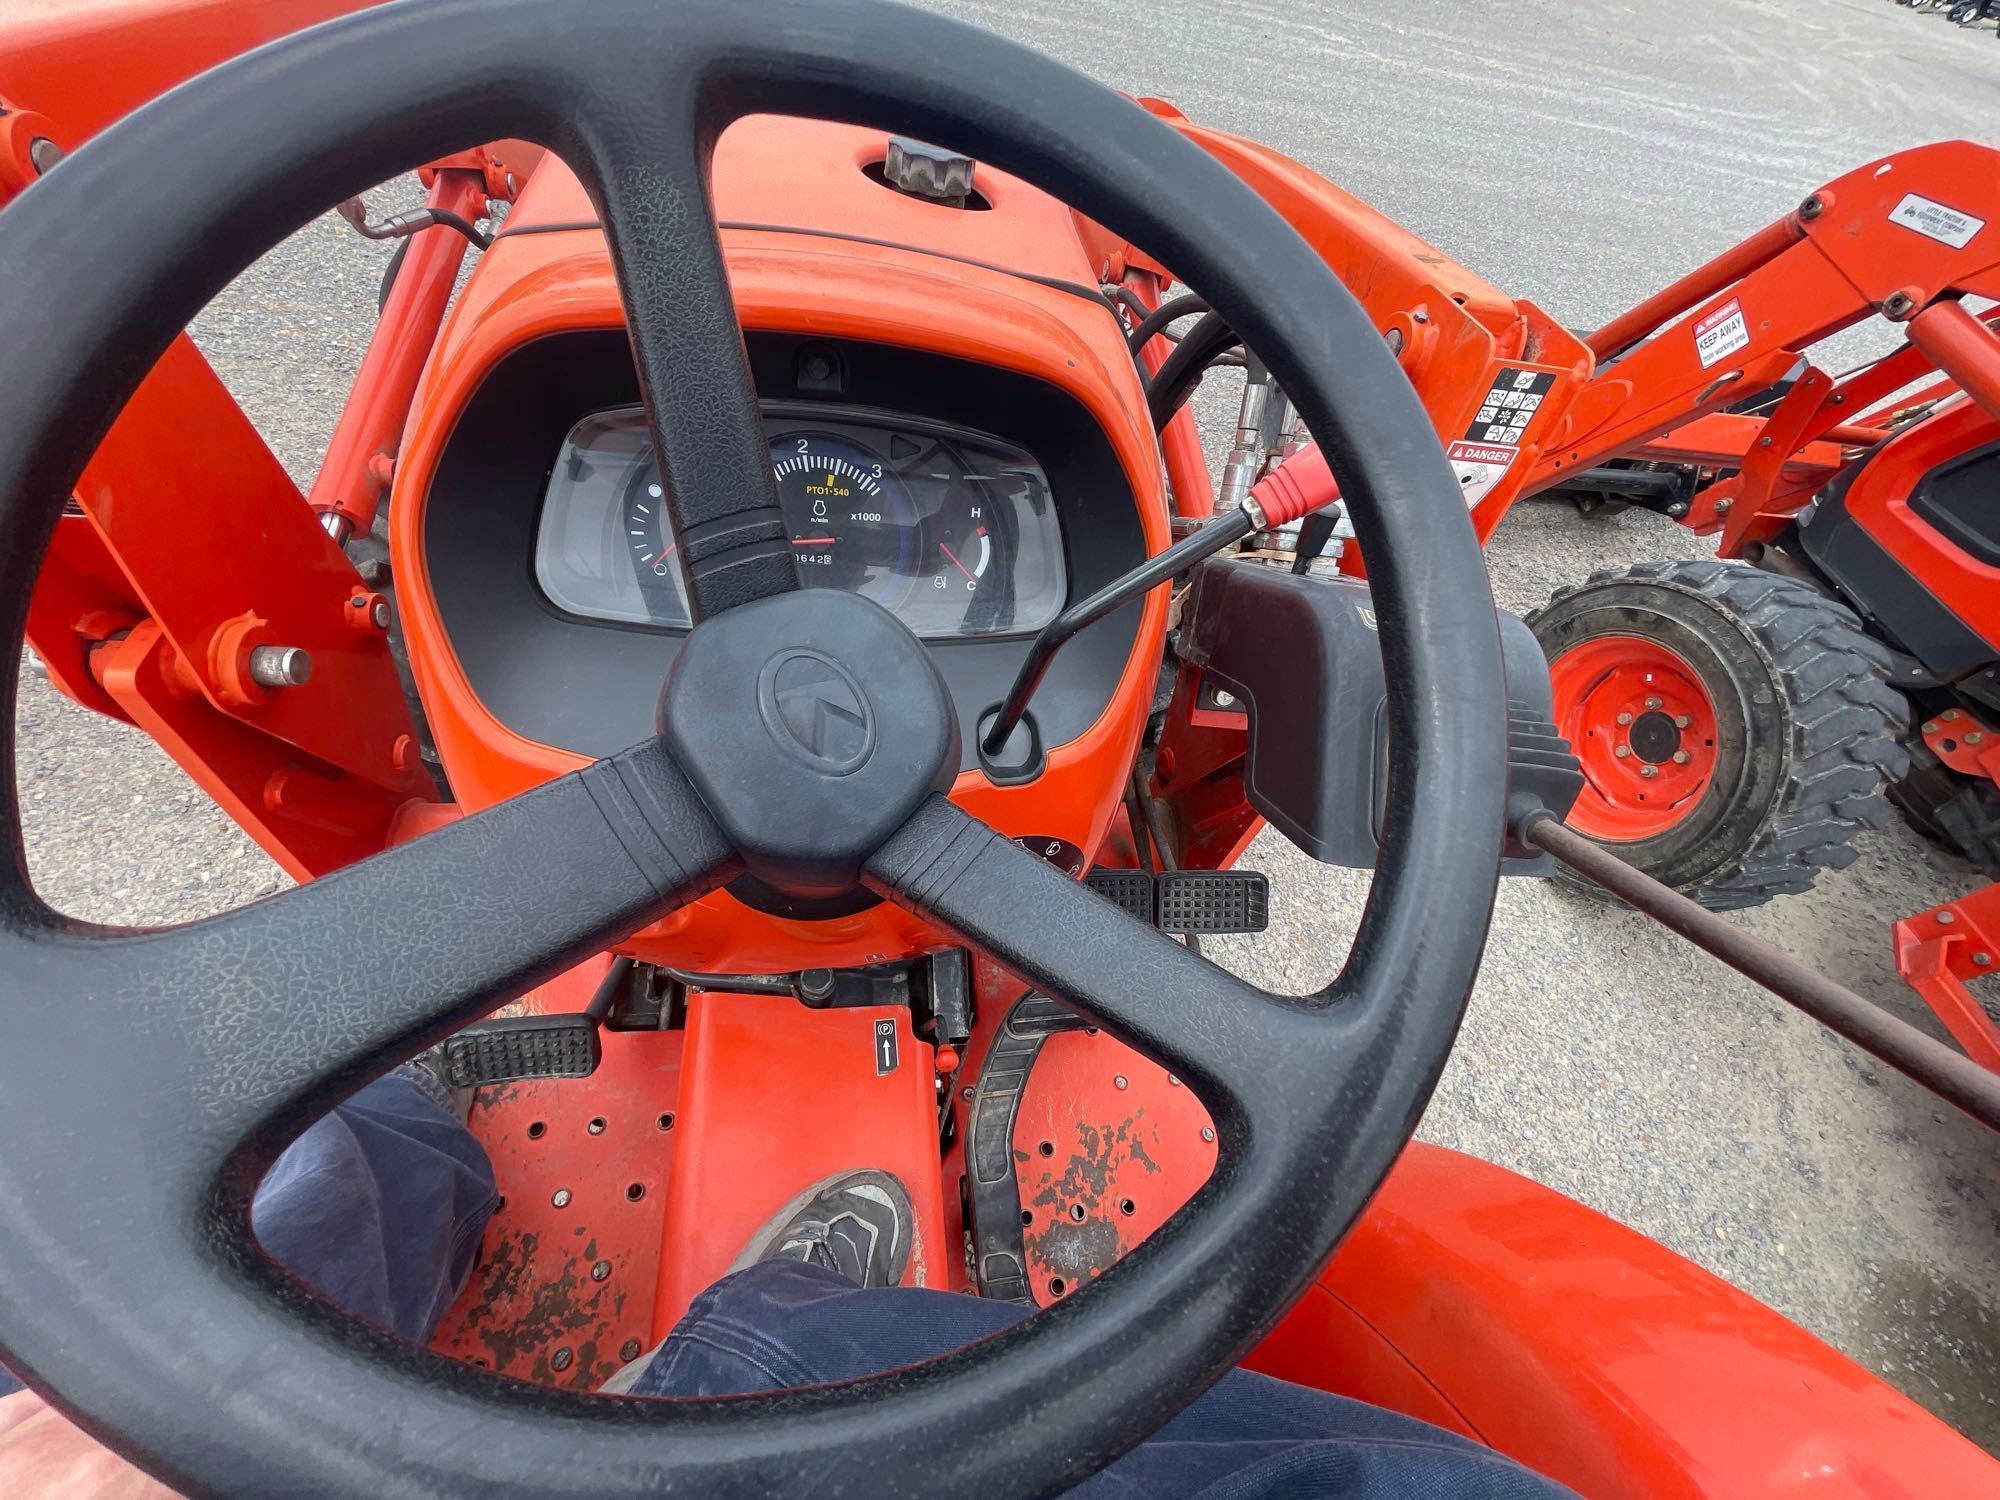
x=380, y=1205
x=782, y=1324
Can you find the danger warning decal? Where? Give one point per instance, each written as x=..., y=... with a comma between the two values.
x=1482, y=457
x=1928, y=216
x=1719, y=334
x=1479, y=466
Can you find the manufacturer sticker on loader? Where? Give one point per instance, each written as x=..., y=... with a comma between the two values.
x=1721, y=333
x=1929, y=217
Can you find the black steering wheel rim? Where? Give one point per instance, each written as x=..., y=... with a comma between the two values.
x=154, y=1076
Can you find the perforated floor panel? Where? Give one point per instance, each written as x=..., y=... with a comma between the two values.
x=565, y=1280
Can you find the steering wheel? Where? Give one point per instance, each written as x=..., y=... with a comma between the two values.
x=149, y=1078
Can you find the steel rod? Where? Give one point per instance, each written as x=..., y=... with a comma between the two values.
x=1949, y=1074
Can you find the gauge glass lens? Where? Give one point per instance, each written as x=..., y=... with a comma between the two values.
x=953, y=531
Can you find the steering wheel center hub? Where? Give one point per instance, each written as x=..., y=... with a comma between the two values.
x=812, y=724
x=812, y=706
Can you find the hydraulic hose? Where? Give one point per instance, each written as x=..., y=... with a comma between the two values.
x=1169, y=311
x=1170, y=388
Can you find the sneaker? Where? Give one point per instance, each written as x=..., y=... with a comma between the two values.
x=857, y=1225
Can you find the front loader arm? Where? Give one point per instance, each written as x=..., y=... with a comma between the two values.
x=1902, y=238
x=186, y=546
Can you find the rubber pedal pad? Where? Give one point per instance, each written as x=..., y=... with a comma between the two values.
x=1129, y=890
x=517, y=1047
x=1212, y=901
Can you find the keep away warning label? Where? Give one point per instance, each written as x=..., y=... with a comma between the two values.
x=1492, y=440
x=1721, y=333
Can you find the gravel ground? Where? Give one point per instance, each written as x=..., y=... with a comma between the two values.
x=1580, y=155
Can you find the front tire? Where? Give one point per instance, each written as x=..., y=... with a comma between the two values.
x=1736, y=727
x=1957, y=811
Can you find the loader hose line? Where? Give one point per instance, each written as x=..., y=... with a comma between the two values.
x=1169, y=390
x=1946, y=1072
x=1155, y=322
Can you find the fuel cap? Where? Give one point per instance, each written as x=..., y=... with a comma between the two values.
x=926, y=171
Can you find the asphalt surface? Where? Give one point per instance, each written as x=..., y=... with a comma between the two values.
x=1580, y=155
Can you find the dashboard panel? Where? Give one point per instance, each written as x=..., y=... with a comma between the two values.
x=951, y=530
x=562, y=644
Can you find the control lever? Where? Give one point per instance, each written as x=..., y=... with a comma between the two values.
x=1272, y=502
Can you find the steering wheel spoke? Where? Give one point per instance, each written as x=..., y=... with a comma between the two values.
x=650, y=169
x=230, y=1035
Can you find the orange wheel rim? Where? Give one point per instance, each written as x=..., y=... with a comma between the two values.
x=1643, y=725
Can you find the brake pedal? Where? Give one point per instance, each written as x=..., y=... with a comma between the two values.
x=518, y=1047
x=1130, y=890
x=1207, y=901
x=992, y=1188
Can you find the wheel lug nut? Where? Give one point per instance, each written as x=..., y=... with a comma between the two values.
x=1649, y=772
x=1681, y=757
x=1622, y=752
x=1681, y=721
x=1652, y=703
x=1624, y=718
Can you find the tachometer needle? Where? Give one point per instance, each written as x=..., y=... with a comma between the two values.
x=955, y=562
x=814, y=541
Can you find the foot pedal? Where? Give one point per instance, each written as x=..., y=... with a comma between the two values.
x=1130, y=890
x=1212, y=901
x=992, y=1191
x=519, y=1047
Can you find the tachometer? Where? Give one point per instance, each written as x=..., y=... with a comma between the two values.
x=852, y=526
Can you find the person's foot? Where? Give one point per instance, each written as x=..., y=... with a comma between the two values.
x=857, y=1225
